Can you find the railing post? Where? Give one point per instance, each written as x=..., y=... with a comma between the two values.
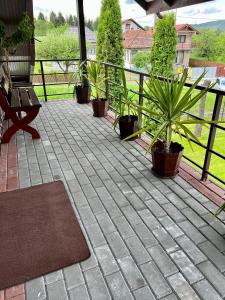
x=212, y=134
x=140, y=99
x=106, y=81
x=43, y=81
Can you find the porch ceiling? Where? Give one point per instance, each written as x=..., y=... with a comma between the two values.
x=154, y=6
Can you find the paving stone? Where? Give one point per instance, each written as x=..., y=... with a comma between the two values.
x=213, y=254
x=53, y=277
x=86, y=215
x=214, y=237
x=193, y=217
x=73, y=276
x=182, y=288
x=144, y=294
x=131, y=215
x=118, y=287
x=106, y=259
x=117, y=244
x=105, y=222
x=174, y=213
x=145, y=235
x=215, y=223
x=95, y=234
x=194, y=253
x=165, y=240
x=206, y=291
x=192, y=232
x=216, y=278
x=137, y=250
x=57, y=291
x=170, y=297
x=96, y=205
x=171, y=227
x=187, y=268
x=148, y=218
x=155, y=280
x=131, y=272
x=35, y=289
x=96, y=284
x=123, y=227
x=79, y=293
x=155, y=208
x=199, y=208
x=162, y=260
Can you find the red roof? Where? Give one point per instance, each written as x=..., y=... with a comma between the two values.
x=137, y=39
x=140, y=39
x=184, y=27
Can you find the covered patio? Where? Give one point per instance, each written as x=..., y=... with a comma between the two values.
x=150, y=238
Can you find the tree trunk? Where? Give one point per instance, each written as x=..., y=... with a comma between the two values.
x=201, y=112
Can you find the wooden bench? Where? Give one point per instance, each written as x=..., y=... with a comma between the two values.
x=22, y=99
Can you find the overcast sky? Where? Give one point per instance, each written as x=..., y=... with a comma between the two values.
x=214, y=10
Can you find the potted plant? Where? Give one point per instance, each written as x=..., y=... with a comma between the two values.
x=9, y=43
x=128, y=123
x=81, y=86
x=97, y=79
x=171, y=100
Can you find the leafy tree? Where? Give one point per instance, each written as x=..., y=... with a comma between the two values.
x=53, y=18
x=208, y=44
x=60, y=20
x=57, y=45
x=109, y=46
x=95, y=24
x=141, y=59
x=70, y=20
x=163, y=52
x=89, y=24
x=41, y=16
x=75, y=20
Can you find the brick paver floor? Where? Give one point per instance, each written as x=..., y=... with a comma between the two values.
x=150, y=238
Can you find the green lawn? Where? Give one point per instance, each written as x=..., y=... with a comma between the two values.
x=55, y=89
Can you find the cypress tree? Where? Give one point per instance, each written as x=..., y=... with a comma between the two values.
x=109, y=47
x=163, y=53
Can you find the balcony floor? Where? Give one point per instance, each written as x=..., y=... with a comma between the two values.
x=150, y=238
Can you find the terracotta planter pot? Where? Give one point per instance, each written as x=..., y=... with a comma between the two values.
x=100, y=107
x=128, y=126
x=82, y=94
x=166, y=164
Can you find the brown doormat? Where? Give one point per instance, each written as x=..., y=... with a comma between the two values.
x=39, y=233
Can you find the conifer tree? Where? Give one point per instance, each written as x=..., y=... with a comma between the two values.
x=109, y=47
x=163, y=53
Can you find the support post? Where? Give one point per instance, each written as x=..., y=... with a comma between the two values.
x=140, y=100
x=106, y=82
x=43, y=80
x=212, y=134
x=81, y=26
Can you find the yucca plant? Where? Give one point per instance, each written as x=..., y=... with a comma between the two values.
x=171, y=100
x=95, y=75
x=97, y=79
x=81, y=85
x=126, y=115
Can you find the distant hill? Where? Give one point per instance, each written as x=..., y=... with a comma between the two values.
x=220, y=24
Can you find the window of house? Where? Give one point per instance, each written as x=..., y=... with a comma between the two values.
x=182, y=38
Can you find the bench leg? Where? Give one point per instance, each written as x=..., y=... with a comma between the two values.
x=21, y=124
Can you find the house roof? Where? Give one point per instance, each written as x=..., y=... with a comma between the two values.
x=184, y=27
x=90, y=35
x=137, y=39
x=132, y=20
x=141, y=39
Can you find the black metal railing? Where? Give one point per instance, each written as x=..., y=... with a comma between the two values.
x=139, y=78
